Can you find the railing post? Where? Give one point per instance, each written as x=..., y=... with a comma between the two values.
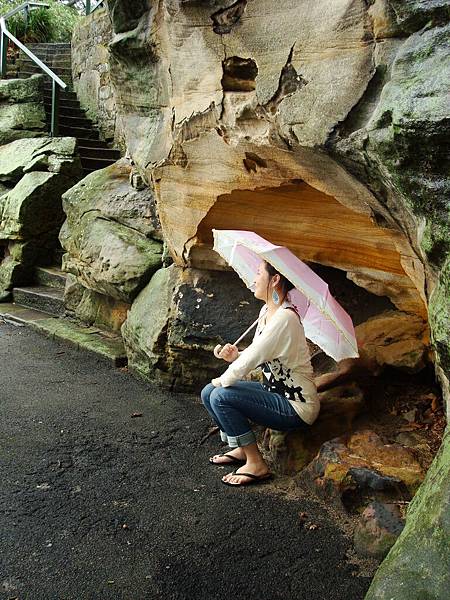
x=3, y=54
x=88, y=7
x=54, y=129
x=26, y=14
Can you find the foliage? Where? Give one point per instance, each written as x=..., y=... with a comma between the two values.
x=53, y=24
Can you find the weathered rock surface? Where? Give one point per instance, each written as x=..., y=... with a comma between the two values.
x=34, y=173
x=265, y=126
x=22, y=113
x=90, y=71
x=378, y=529
x=351, y=472
x=109, y=234
x=400, y=149
x=393, y=339
x=93, y=308
x=176, y=321
x=292, y=451
x=418, y=566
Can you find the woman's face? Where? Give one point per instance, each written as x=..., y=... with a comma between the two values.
x=261, y=282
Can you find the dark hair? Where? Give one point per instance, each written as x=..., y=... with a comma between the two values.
x=285, y=284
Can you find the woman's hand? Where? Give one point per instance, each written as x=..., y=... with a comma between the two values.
x=228, y=353
x=216, y=382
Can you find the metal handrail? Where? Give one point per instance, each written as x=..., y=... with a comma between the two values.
x=25, y=7
x=90, y=9
x=57, y=83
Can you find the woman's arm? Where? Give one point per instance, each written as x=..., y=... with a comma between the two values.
x=271, y=344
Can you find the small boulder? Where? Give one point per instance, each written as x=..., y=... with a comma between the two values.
x=353, y=471
x=292, y=451
x=379, y=527
x=22, y=113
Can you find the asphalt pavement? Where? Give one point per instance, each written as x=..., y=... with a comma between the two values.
x=99, y=503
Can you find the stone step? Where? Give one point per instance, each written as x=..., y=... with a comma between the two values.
x=66, y=111
x=94, y=164
x=32, y=67
x=77, y=122
x=44, y=298
x=97, y=152
x=63, y=103
x=64, y=94
x=55, y=63
x=91, y=143
x=78, y=132
x=28, y=72
x=50, y=277
x=97, y=342
x=49, y=49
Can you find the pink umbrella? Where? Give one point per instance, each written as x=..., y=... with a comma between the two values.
x=325, y=322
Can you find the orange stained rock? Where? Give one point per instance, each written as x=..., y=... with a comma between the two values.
x=315, y=226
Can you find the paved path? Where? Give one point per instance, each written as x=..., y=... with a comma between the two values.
x=95, y=504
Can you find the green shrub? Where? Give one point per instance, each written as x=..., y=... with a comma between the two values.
x=53, y=24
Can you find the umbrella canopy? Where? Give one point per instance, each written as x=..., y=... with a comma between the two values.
x=325, y=322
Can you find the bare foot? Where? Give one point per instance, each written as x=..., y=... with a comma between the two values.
x=221, y=459
x=260, y=469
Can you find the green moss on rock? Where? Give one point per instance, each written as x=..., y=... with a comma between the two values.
x=418, y=566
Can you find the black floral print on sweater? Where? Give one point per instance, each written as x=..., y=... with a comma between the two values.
x=277, y=378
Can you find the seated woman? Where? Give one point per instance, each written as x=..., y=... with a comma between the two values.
x=288, y=397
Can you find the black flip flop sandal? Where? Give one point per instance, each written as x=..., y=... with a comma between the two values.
x=254, y=479
x=233, y=461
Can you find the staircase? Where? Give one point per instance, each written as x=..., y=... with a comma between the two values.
x=47, y=295
x=73, y=121
x=42, y=304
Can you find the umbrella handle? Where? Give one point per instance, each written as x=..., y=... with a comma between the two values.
x=218, y=348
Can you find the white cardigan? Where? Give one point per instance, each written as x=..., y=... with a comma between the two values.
x=281, y=350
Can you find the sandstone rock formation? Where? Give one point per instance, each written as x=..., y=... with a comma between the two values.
x=22, y=112
x=378, y=529
x=190, y=312
x=321, y=126
x=292, y=451
x=351, y=471
x=34, y=173
x=113, y=244
x=270, y=136
x=418, y=566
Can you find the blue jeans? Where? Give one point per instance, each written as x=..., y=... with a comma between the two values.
x=233, y=406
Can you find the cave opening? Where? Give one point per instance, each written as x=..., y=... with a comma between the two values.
x=239, y=74
x=363, y=266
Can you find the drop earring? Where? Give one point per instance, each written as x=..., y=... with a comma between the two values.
x=275, y=297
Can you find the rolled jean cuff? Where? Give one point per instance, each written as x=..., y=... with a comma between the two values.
x=223, y=436
x=236, y=441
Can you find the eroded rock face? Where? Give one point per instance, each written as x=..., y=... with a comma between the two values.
x=353, y=471
x=22, y=113
x=418, y=566
x=34, y=173
x=324, y=131
x=176, y=321
x=378, y=529
x=294, y=126
x=111, y=234
x=292, y=451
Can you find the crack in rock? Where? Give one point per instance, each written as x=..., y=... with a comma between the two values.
x=289, y=83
